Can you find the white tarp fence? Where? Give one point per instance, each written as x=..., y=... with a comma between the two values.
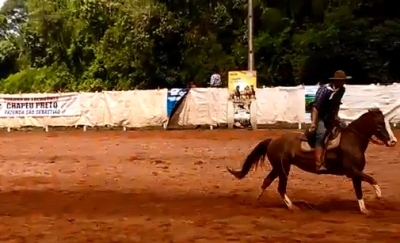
x=359, y=98
x=202, y=106
x=208, y=106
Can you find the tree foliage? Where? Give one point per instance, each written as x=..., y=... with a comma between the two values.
x=86, y=45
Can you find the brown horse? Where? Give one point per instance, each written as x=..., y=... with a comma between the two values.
x=344, y=156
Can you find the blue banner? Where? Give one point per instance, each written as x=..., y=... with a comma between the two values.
x=309, y=97
x=174, y=95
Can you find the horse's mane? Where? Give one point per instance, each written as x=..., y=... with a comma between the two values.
x=368, y=113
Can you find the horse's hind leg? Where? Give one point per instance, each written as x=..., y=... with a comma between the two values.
x=268, y=181
x=282, y=185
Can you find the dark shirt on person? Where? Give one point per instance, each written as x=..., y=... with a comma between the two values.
x=321, y=101
x=327, y=101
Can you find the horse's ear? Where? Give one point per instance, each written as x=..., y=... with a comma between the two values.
x=375, y=110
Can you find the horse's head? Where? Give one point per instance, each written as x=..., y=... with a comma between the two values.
x=379, y=127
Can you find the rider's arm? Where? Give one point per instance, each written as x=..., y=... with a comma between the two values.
x=314, y=115
x=320, y=97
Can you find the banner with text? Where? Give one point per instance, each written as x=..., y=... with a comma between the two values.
x=37, y=105
x=242, y=84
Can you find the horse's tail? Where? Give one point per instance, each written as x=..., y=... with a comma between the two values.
x=253, y=159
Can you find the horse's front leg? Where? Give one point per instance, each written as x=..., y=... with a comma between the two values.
x=359, y=193
x=370, y=180
x=351, y=162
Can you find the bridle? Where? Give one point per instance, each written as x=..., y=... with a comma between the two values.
x=372, y=139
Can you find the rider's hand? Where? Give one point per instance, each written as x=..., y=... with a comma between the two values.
x=312, y=128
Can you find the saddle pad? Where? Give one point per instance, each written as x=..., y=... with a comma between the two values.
x=305, y=147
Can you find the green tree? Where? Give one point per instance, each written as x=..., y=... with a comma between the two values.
x=104, y=45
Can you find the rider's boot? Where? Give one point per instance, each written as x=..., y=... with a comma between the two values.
x=319, y=151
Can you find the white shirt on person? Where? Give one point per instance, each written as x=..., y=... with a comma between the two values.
x=215, y=80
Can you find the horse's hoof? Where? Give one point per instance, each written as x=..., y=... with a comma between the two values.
x=366, y=212
x=237, y=174
x=363, y=209
x=378, y=192
x=260, y=195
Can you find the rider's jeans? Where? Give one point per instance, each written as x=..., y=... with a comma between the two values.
x=320, y=134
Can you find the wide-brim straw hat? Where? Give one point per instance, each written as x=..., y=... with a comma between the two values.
x=340, y=75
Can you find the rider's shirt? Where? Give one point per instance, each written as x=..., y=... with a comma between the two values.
x=327, y=101
x=321, y=101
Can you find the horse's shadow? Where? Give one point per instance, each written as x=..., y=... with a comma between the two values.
x=154, y=204
x=328, y=205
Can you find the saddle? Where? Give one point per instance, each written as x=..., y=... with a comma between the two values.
x=332, y=139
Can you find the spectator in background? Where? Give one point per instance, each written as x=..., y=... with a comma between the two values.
x=253, y=92
x=215, y=79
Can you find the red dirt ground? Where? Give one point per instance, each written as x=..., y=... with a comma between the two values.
x=154, y=186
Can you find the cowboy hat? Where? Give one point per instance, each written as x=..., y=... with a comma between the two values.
x=340, y=75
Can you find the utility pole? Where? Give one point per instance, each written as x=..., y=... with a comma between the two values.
x=250, y=60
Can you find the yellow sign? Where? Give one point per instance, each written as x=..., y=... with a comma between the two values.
x=242, y=83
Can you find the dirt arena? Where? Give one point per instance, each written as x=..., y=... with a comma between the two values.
x=156, y=186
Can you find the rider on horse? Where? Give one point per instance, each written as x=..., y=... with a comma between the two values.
x=324, y=114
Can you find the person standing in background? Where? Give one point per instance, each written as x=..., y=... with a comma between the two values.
x=215, y=79
x=253, y=92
